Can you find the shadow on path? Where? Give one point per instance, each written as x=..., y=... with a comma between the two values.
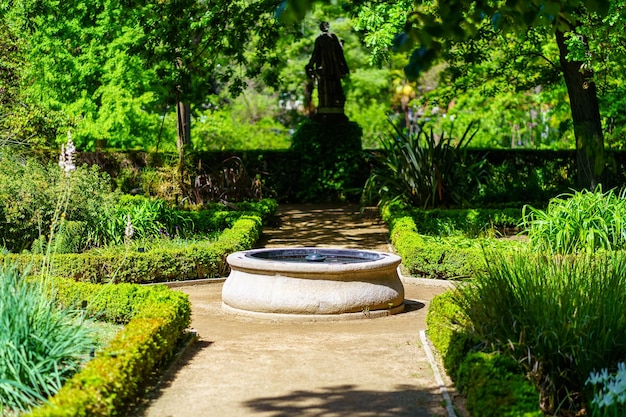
x=326, y=226
x=347, y=401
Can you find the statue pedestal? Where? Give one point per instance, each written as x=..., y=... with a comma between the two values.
x=331, y=115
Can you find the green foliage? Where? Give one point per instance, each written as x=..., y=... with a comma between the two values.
x=446, y=329
x=150, y=218
x=423, y=170
x=527, y=177
x=153, y=262
x=247, y=125
x=41, y=345
x=556, y=315
x=493, y=385
x=329, y=162
x=23, y=119
x=31, y=194
x=450, y=257
x=148, y=340
x=582, y=221
x=469, y=222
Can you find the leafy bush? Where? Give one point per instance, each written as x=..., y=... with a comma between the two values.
x=424, y=170
x=329, y=162
x=41, y=345
x=451, y=257
x=493, y=385
x=111, y=381
x=225, y=129
x=561, y=317
x=474, y=222
x=150, y=218
x=583, y=221
x=200, y=259
x=32, y=195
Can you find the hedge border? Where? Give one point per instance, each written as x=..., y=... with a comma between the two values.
x=110, y=382
x=493, y=385
x=194, y=261
x=449, y=257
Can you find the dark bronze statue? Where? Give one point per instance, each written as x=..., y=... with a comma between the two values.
x=328, y=66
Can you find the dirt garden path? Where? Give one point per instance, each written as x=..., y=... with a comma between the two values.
x=242, y=366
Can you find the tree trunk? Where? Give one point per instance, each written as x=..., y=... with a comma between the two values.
x=183, y=116
x=585, y=109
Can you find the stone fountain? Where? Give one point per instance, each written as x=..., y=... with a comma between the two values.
x=315, y=283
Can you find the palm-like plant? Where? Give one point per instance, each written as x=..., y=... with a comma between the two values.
x=424, y=170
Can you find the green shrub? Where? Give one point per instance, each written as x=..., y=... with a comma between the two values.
x=150, y=218
x=447, y=330
x=195, y=260
x=33, y=195
x=329, y=158
x=561, y=317
x=469, y=222
x=493, y=385
x=452, y=257
x=41, y=345
x=111, y=381
x=584, y=221
x=423, y=170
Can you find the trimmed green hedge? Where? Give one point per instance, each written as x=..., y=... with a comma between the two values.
x=156, y=319
x=193, y=261
x=493, y=385
x=449, y=257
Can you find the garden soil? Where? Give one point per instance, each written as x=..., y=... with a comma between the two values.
x=242, y=366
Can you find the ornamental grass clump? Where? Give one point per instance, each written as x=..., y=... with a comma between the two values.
x=41, y=344
x=584, y=221
x=561, y=317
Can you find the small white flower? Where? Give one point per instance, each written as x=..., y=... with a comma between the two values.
x=66, y=159
x=130, y=230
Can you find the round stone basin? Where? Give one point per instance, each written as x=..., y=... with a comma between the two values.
x=313, y=282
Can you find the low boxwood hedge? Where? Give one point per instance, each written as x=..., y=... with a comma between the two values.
x=493, y=384
x=193, y=261
x=156, y=318
x=455, y=255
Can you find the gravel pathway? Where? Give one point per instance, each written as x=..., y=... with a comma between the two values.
x=242, y=366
